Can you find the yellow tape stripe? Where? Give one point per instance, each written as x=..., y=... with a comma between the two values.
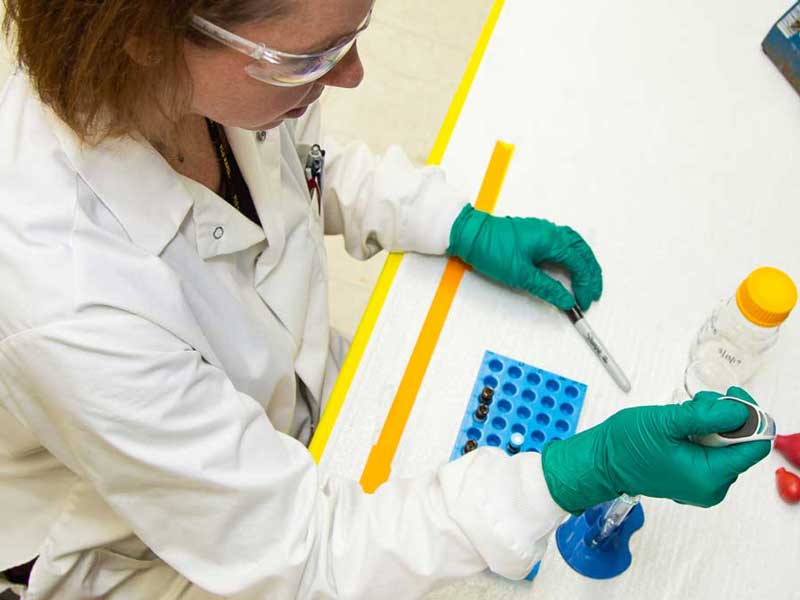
x=384, y=283
x=451, y=118
x=357, y=348
x=379, y=463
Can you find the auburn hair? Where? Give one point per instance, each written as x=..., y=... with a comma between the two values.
x=77, y=54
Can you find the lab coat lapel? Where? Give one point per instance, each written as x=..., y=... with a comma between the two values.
x=282, y=286
x=259, y=159
x=108, y=272
x=291, y=274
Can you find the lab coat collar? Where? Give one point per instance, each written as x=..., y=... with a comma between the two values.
x=134, y=182
x=151, y=200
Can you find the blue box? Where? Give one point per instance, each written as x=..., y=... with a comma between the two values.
x=782, y=46
x=540, y=405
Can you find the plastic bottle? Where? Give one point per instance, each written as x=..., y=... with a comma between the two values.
x=742, y=330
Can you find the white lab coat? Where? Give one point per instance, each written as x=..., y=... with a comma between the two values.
x=149, y=339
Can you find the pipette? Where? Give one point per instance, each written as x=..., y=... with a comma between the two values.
x=758, y=426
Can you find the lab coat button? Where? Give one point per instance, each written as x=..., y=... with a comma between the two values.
x=261, y=135
x=218, y=233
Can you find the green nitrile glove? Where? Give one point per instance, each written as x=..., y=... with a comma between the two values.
x=509, y=249
x=646, y=450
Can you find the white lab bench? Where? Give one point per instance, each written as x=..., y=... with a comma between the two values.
x=661, y=132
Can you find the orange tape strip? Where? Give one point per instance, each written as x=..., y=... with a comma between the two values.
x=379, y=463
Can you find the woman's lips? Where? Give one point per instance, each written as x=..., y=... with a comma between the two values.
x=300, y=111
x=297, y=112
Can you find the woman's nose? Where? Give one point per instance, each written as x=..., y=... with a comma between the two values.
x=348, y=73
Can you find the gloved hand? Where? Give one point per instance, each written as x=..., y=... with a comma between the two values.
x=509, y=249
x=646, y=450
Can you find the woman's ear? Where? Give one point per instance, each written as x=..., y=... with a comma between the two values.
x=140, y=52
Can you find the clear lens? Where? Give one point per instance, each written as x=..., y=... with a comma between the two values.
x=280, y=68
x=299, y=71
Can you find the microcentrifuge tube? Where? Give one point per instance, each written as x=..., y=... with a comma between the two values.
x=487, y=395
x=615, y=515
x=515, y=443
x=469, y=446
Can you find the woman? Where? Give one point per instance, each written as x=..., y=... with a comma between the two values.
x=165, y=346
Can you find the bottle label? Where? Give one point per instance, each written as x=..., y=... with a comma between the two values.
x=728, y=356
x=739, y=345
x=710, y=344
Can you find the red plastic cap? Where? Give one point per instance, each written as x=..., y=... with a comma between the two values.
x=788, y=485
x=789, y=446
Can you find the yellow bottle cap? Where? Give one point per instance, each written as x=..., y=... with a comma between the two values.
x=767, y=297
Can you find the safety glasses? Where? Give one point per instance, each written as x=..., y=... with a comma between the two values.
x=281, y=68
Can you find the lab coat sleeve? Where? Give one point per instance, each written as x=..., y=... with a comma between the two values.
x=382, y=202
x=215, y=491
